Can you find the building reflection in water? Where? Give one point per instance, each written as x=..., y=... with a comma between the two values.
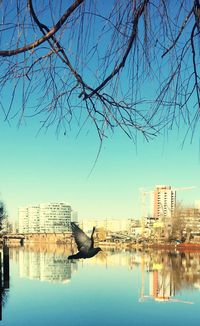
x=44, y=264
x=169, y=273
x=161, y=285
x=163, y=274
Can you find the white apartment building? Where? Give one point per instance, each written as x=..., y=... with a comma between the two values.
x=164, y=201
x=55, y=217
x=45, y=218
x=74, y=216
x=34, y=219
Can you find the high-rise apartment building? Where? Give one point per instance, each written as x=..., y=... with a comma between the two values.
x=45, y=218
x=164, y=198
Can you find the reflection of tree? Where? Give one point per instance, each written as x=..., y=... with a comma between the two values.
x=178, y=272
x=177, y=223
x=101, y=234
x=169, y=272
x=183, y=269
x=4, y=296
x=3, y=299
x=4, y=277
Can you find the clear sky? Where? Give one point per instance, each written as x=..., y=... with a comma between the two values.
x=48, y=168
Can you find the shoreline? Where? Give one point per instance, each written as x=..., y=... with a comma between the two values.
x=68, y=241
x=179, y=247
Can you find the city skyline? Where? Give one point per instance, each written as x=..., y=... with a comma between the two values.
x=47, y=168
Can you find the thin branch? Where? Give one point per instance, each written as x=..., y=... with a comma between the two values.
x=179, y=33
x=116, y=70
x=52, y=31
x=65, y=59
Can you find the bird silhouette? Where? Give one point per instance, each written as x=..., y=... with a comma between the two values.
x=85, y=244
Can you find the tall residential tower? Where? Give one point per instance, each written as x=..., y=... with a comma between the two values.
x=164, y=201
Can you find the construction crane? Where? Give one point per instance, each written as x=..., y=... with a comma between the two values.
x=183, y=188
x=173, y=189
x=164, y=189
x=144, y=193
x=176, y=189
x=146, y=297
x=163, y=287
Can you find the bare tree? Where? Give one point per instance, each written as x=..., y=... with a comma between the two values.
x=3, y=215
x=178, y=223
x=131, y=64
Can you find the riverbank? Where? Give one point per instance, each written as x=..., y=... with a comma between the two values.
x=190, y=247
x=67, y=239
x=164, y=246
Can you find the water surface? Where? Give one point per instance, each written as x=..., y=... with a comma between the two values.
x=113, y=288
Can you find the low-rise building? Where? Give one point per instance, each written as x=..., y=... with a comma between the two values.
x=109, y=225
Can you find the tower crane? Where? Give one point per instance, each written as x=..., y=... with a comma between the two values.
x=183, y=188
x=144, y=194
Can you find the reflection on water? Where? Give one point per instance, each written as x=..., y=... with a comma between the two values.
x=45, y=266
x=168, y=272
x=4, y=277
x=149, y=277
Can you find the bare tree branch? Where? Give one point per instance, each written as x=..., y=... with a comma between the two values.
x=47, y=36
x=131, y=65
x=179, y=33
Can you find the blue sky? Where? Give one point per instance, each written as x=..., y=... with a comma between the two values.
x=43, y=168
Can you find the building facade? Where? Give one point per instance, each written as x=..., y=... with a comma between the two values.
x=164, y=202
x=45, y=218
x=74, y=216
x=191, y=219
x=23, y=219
x=33, y=218
x=109, y=225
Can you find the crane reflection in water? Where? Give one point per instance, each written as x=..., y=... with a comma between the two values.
x=169, y=272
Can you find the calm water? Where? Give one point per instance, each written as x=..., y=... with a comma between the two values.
x=114, y=288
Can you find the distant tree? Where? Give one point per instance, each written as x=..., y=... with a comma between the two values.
x=178, y=223
x=188, y=233
x=101, y=234
x=129, y=64
x=3, y=216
